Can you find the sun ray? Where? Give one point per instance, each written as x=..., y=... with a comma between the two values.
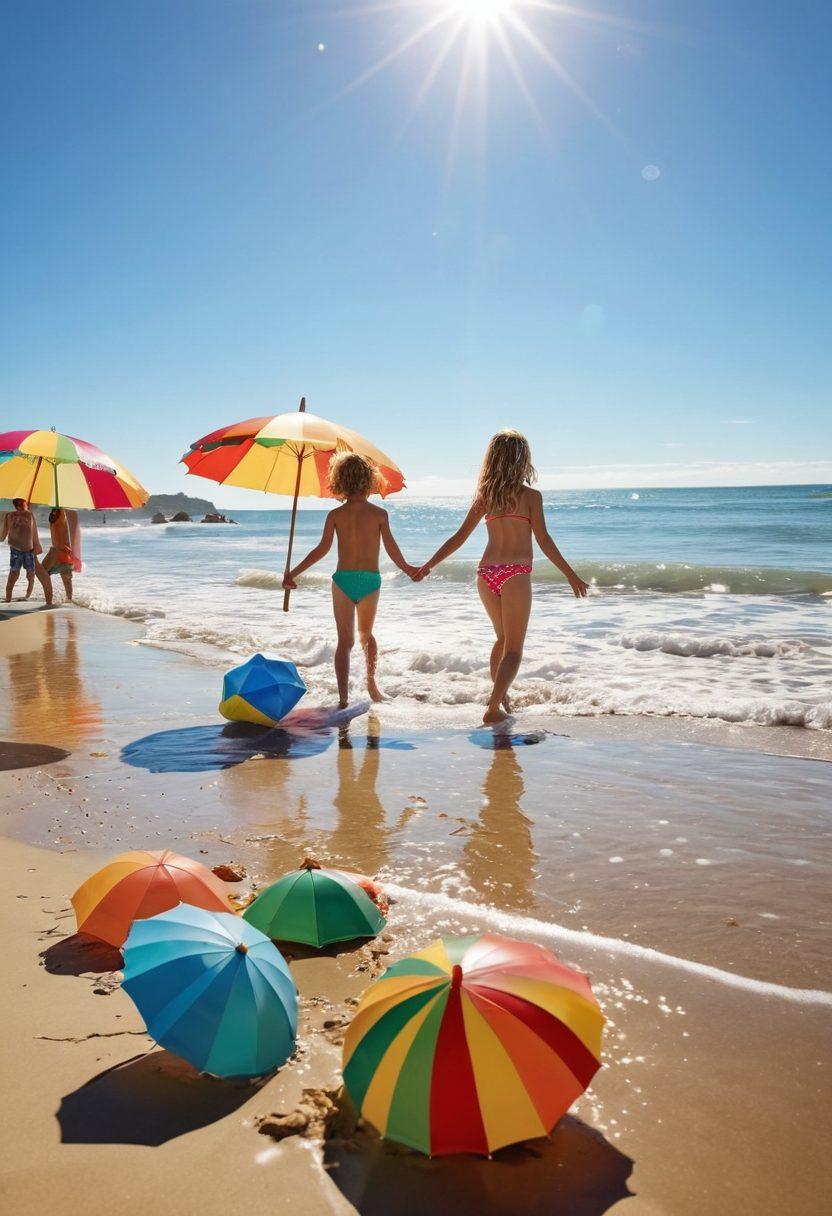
x=565, y=75
x=431, y=75
x=508, y=52
x=402, y=48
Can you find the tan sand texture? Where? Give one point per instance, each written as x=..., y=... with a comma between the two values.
x=713, y=1095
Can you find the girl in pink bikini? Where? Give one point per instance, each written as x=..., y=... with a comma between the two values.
x=513, y=513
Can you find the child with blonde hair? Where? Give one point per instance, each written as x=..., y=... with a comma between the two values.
x=360, y=528
x=513, y=514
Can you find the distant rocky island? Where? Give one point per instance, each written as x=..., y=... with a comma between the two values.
x=160, y=508
x=182, y=509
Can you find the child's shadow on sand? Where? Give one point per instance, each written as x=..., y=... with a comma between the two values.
x=576, y=1172
x=148, y=1100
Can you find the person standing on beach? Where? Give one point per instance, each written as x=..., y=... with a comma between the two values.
x=21, y=531
x=513, y=514
x=64, y=554
x=360, y=528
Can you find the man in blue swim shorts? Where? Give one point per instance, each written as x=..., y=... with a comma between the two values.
x=21, y=531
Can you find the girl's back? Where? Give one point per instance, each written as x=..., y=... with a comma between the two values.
x=510, y=532
x=358, y=530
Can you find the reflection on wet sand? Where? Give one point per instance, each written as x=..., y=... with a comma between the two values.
x=47, y=696
x=259, y=793
x=499, y=855
x=360, y=837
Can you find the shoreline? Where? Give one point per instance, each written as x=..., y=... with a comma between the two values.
x=707, y=1024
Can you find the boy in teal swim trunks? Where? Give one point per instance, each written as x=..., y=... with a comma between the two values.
x=360, y=528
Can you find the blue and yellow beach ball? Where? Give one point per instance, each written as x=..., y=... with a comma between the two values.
x=261, y=691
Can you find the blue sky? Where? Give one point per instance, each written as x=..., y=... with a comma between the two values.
x=203, y=220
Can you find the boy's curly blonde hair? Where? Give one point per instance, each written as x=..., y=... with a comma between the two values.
x=507, y=467
x=351, y=474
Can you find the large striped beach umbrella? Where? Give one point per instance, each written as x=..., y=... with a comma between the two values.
x=212, y=989
x=472, y=1044
x=287, y=454
x=142, y=884
x=60, y=471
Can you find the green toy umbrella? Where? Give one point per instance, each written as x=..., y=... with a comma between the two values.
x=317, y=907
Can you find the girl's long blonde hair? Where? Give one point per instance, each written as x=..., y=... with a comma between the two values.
x=507, y=467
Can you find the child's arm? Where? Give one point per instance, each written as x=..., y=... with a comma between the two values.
x=550, y=549
x=392, y=549
x=314, y=555
x=459, y=537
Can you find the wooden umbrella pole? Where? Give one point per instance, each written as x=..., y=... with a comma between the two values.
x=301, y=453
x=34, y=479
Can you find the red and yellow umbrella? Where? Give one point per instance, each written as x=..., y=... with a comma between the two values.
x=137, y=885
x=60, y=471
x=287, y=454
x=472, y=1044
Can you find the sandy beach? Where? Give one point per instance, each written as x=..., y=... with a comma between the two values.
x=686, y=874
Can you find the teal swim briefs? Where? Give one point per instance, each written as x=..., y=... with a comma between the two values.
x=356, y=584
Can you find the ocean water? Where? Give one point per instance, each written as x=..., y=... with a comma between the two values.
x=713, y=603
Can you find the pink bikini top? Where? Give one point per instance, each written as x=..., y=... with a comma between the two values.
x=508, y=515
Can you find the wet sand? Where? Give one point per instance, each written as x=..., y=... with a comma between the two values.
x=712, y=1100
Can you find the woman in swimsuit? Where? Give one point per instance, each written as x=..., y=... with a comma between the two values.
x=360, y=528
x=62, y=557
x=513, y=513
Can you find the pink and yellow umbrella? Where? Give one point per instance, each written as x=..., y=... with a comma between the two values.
x=287, y=454
x=60, y=471
x=472, y=1044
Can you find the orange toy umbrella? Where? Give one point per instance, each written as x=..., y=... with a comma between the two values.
x=137, y=885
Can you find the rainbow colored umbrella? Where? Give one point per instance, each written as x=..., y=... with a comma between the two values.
x=261, y=691
x=142, y=884
x=213, y=990
x=472, y=1044
x=317, y=907
x=286, y=454
x=60, y=471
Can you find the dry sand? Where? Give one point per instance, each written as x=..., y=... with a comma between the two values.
x=712, y=1100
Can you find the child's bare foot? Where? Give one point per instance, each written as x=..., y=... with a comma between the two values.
x=374, y=692
x=491, y=716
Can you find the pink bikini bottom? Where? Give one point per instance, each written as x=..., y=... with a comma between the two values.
x=496, y=576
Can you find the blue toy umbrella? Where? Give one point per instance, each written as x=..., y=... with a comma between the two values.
x=261, y=690
x=212, y=989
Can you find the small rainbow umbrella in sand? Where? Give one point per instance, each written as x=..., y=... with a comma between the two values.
x=472, y=1044
x=60, y=471
x=317, y=907
x=287, y=454
x=138, y=885
x=213, y=990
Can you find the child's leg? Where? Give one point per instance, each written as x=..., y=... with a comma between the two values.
x=491, y=604
x=30, y=582
x=366, y=619
x=66, y=579
x=515, y=606
x=344, y=611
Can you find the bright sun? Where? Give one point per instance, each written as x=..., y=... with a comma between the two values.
x=467, y=35
x=481, y=12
